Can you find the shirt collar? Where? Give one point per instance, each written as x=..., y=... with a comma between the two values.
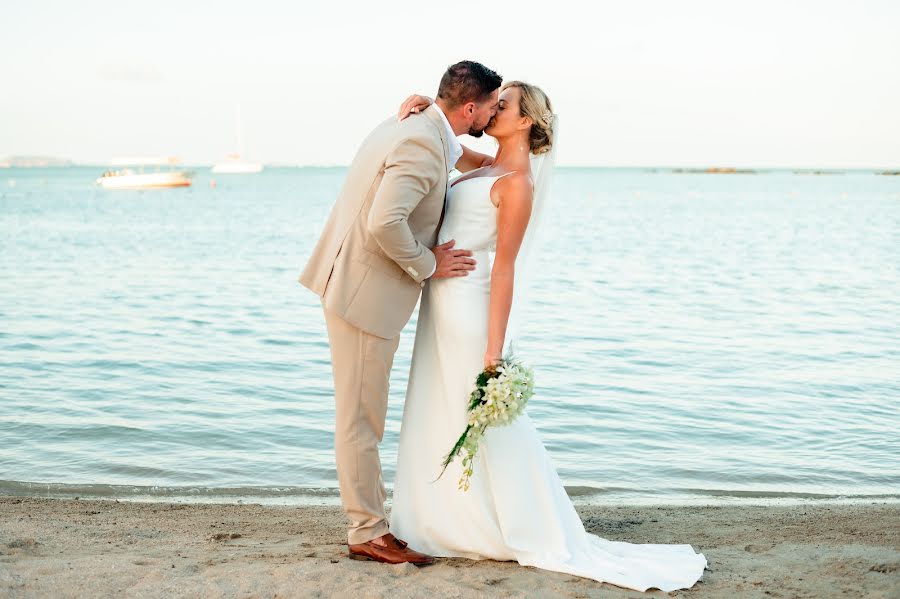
x=456, y=149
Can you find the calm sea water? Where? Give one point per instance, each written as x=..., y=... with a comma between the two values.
x=694, y=335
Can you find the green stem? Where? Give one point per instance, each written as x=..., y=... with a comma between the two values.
x=454, y=452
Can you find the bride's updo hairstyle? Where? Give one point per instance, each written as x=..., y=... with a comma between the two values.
x=535, y=105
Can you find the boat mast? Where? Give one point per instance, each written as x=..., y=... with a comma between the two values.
x=237, y=123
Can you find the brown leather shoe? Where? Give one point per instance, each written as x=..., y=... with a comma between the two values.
x=389, y=550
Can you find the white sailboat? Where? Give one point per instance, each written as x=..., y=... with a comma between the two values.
x=234, y=162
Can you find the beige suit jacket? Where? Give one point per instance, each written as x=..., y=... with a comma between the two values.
x=374, y=254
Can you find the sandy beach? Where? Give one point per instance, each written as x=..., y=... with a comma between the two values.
x=104, y=548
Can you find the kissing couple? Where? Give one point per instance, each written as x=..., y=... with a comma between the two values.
x=399, y=230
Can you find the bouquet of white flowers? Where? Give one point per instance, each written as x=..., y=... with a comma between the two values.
x=500, y=395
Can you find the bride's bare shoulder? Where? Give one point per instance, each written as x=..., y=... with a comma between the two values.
x=516, y=187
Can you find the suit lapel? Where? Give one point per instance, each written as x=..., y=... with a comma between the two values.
x=431, y=113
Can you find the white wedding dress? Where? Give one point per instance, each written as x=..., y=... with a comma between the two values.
x=516, y=508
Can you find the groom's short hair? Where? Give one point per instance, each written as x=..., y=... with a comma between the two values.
x=467, y=81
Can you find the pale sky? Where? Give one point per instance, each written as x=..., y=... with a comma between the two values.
x=653, y=83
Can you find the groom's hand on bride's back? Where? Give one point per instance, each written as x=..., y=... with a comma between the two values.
x=450, y=262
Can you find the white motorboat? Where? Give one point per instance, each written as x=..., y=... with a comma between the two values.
x=134, y=177
x=128, y=179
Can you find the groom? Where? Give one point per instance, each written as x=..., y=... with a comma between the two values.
x=369, y=267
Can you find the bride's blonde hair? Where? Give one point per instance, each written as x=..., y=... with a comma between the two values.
x=535, y=104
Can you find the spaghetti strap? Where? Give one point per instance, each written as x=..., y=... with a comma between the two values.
x=504, y=174
x=463, y=179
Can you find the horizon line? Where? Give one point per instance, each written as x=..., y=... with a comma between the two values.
x=6, y=163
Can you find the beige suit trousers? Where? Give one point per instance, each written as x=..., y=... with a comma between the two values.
x=361, y=364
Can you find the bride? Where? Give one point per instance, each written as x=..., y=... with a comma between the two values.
x=516, y=507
